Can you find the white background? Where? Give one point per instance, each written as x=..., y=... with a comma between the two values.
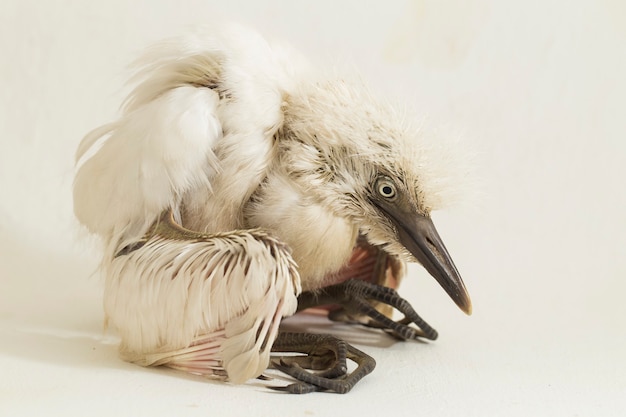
x=535, y=87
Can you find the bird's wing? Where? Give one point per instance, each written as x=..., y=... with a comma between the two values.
x=198, y=124
x=151, y=157
x=210, y=306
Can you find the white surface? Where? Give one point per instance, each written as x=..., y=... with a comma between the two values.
x=536, y=87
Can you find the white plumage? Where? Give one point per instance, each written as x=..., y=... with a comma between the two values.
x=264, y=163
x=167, y=299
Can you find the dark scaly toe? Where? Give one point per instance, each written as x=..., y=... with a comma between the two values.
x=332, y=378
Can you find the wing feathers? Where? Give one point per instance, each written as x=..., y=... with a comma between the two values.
x=199, y=123
x=226, y=294
x=149, y=160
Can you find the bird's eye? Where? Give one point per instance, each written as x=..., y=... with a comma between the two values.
x=386, y=188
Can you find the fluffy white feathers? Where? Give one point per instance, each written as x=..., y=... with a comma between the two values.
x=175, y=140
x=230, y=132
x=153, y=156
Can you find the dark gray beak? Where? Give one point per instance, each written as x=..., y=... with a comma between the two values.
x=417, y=233
x=419, y=236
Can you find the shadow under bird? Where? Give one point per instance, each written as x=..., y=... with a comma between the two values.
x=239, y=186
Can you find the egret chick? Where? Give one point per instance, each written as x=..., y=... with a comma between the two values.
x=237, y=180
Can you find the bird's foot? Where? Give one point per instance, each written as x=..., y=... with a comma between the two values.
x=356, y=298
x=325, y=366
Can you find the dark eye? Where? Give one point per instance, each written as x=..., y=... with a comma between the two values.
x=386, y=188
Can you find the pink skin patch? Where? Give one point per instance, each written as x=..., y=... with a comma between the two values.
x=368, y=263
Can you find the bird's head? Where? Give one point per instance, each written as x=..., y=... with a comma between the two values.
x=359, y=158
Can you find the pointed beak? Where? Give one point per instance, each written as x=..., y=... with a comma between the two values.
x=419, y=236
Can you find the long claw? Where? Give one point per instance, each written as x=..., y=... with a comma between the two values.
x=334, y=377
x=297, y=388
x=355, y=297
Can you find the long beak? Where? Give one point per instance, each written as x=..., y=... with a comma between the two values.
x=419, y=236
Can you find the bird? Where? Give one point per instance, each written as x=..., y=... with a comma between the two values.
x=241, y=184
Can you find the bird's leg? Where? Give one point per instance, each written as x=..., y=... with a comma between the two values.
x=364, y=293
x=355, y=296
x=323, y=352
